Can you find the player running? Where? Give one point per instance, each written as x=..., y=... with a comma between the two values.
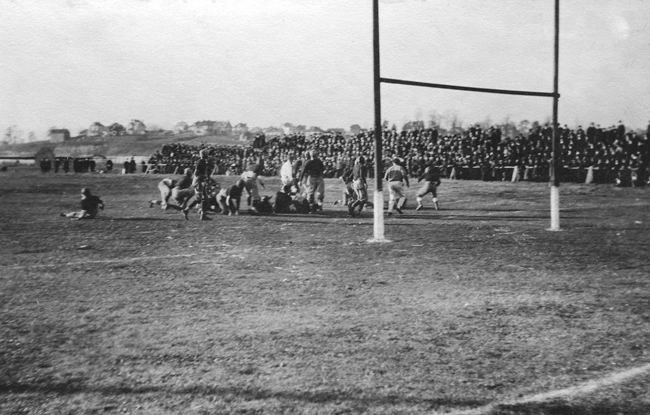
x=201, y=186
x=396, y=176
x=431, y=177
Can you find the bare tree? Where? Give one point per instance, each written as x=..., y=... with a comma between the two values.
x=13, y=135
x=435, y=119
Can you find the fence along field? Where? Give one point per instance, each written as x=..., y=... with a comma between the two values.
x=475, y=308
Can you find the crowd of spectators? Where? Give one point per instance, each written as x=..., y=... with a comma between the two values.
x=475, y=153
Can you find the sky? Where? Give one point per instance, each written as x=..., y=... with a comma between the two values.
x=69, y=63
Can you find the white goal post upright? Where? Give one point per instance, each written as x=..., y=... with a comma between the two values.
x=378, y=199
x=555, y=164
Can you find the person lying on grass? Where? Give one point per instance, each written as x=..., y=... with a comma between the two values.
x=90, y=205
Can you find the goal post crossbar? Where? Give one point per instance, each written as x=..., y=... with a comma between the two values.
x=468, y=88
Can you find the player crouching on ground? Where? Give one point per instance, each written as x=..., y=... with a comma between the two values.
x=431, y=178
x=396, y=176
x=251, y=180
x=313, y=171
x=229, y=199
x=283, y=200
x=179, y=190
x=90, y=205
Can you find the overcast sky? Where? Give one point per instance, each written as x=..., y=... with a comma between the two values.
x=68, y=63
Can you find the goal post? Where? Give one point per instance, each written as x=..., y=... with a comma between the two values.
x=378, y=130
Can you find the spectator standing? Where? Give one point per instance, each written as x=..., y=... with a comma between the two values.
x=132, y=165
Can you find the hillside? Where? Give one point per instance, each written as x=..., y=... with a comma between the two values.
x=122, y=146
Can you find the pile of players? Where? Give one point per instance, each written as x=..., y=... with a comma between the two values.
x=303, y=188
x=198, y=189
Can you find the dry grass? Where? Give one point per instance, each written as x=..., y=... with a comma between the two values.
x=477, y=304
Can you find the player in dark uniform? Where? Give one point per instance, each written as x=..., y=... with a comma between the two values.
x=283, y=200
x=90, y=205
x=229, y=199
x=431, y=177
x=348, y=193
x=359, y=185
x=201, y=184
x=313, y=171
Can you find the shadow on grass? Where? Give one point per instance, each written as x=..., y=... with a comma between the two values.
x=138, y=219
x=564, y=408
x=357, y=398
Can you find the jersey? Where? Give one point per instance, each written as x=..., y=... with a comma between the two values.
x=203, y=169
x=395, y=173
x=359, y=172
x=91, y=203
x=234, y=191
x=184, y=183
x=256, y=168
x=431, y=174
x=313, y=168
x=282, y=203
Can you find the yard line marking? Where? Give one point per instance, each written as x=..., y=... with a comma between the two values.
x=580, y=389
x=456, y=201
x=102, y=261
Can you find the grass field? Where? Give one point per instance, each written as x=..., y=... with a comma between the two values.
x=473, y=309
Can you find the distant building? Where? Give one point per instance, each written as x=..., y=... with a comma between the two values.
x=413, y=125
x=223, y=128
x=96, y=129
x=181, y=127
x=116, y=129
x=288, y=128
x=136, y=127
x=239, y=129
x=203, y=127
x=273, y=132
x=211, y=128
x=336, y=131
x=355, y=129
x=313, y=131
x=58, y=135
